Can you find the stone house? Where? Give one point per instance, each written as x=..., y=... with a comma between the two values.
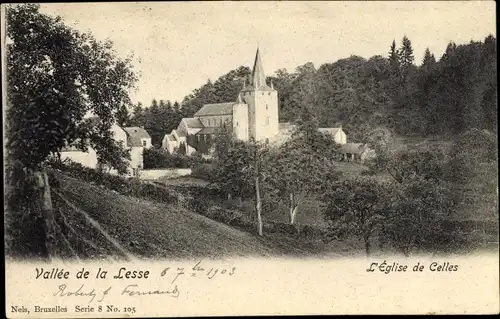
x=136, y=139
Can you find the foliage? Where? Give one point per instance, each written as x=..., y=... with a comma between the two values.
x=55, y=75
x=124, y=186
x=224, y=89
x=448, y=96
x=473, y=171
x=203, y=171
x=158, y=158
x=158, y=119
x=302, y=167
x=416, y=212
x=357, y=207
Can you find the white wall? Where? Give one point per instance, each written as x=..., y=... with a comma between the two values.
x=148, y=142
x=87, y=159
x=340, y=137
x=119, y=134
x=262, y=113
x=152, y=174
x=136, y=158
x=168, y=145
x=240, y=121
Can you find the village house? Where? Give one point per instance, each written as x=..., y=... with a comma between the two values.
x=358, y=152
x=254, y=114
x=136, y=139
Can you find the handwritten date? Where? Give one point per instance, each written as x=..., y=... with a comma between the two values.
x=198, y=271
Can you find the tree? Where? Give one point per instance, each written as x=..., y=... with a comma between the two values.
x=357, y=207
x=429, y=60
x=394, y=56
x=421, y=198
x=55, y=75
x=406, y=57
x=302, y=166
x=224, y=89
x=473, y=172
x=123, y=116
x=416, y=212
x=239, y=169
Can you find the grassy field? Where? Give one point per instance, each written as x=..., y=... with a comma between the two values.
x=148, y=229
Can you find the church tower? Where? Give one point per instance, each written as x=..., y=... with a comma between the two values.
x=262, y=101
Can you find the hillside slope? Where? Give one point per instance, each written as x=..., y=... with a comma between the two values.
x=150, y=230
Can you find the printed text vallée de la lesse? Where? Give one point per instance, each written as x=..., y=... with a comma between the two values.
x=89, y=294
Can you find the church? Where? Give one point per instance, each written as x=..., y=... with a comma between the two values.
x=254, y=114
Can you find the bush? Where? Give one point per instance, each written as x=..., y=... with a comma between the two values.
x=125, y=186
x=226, y=216
x=280, y=227
x=159, y=158
x=203, y=171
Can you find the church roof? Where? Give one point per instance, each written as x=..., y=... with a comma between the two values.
x=258, y=77
x=135, y=134
x=207, y=130
x=192, y=122
x=216, y=109
x=331, y=130
x=353, y=148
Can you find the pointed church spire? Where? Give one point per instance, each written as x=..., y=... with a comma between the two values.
x=258, y=77
x=239, y=100
x=272, y=86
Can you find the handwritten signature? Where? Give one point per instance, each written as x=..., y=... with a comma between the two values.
x=63, y=291
x=130, y=290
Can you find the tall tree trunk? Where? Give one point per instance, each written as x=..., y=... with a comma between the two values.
x=258, y=206
x=294, y=208
x=45, y=199
x=366, y=238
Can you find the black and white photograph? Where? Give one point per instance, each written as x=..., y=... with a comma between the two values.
x=140, y=133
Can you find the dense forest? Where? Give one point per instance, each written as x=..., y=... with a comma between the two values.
x=442, y=96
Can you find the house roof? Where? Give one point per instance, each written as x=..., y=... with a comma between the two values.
x=192, y=122
x=331, y=130
x=353, y=148
x=170, y=138
x=216, y=109
x=135, y=134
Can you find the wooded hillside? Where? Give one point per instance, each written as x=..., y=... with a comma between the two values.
x=443, y=96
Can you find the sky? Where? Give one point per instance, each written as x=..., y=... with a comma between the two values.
x=178, y=46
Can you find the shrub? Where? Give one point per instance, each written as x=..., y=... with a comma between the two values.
x=226, y=216
x=159, y=158
x=203, y=171
x=125, y=186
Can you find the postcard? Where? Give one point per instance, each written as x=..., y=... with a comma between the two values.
x=173, y=159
